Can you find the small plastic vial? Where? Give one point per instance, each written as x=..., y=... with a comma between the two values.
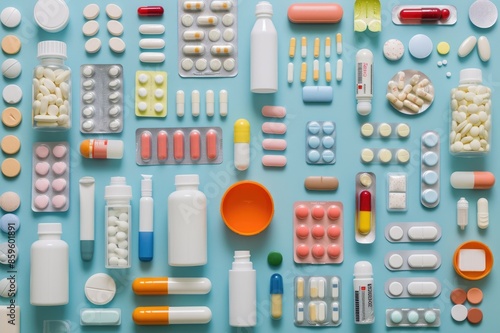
x=462, y=213
x=364, y=310
x=51, y=103
x=242, y=291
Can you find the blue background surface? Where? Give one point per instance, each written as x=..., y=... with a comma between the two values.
x=286, y=185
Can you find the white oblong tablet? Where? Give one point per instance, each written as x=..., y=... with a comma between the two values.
x=467, y=46
x=90, y=28
x=483, y=48
x=422, y=233
x=152, y=57
x=152, y=43
x=422, y=260
x=117, y=45
x=151, y=29
x=115, y=28
x=422, y=288
x=93, y=45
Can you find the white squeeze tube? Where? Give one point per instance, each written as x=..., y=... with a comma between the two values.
x=87, y=222
x=364, y=81
x=364, y=312
x=242, y=291
x=146, y=212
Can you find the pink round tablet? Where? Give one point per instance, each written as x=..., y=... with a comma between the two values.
x=59, y=168
x=333, y=232
x=59, y=201
x=333, y=251
x=59, y=151
x=333, y=212
x=42, y=168
x=318, y=231
x=318, y=251
x=302, y=231
x=42, y=185
x=301, y=212
x=42, y=151
x=302, y=251
x=317, y=212
x=59, y=184
x=41, y=202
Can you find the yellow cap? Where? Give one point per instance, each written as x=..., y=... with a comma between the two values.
x=241, y=131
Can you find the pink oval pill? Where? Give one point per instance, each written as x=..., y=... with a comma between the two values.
x=42, y=185
x=317, y=212
x=318, y=251
x=301, y=212
x=211, y=138
x=178, y=145
x=302, y=251
x=277, y=161
x=162, y=145
x=195, y=145
x=59, y=184
x=41, y=202
x=146, y=146
x=273, y=111
x=333, y=251
x=315, y=13
x=42, y=168
x=333, y=212
x=302, y=231
x=42, y=151
x=59, y=151
x=273, y=128
x=59, y=201
x=59, y=168
x=274, y=144
x=333, y=232
x=318, y=231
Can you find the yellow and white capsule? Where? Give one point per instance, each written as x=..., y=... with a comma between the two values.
x=303, y=46
x=222, y=50
x=316, y=70
x=339, y=43
x=328, y=71
x=194, y=5
x=193, y=35
x=207, y=20
x=316, y=47
x=193, y=49
x=328, y=47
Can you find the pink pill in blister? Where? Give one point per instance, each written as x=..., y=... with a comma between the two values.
x=42, y=151
x=179, y=145
x=162, y=145
x=146, y=146
x=273, y=111
x=333, y=232
x=195, y=145
x=42, y=185
x=318, y=231
x=317, y=212
x=59, y=184
x=211, y=139
x=59, y=168
x=41, y=201
x=333, y=251
x=302, y=251
x=59, y=201
x=318, y=251
x=302, y=231
x=276, y=161
x=42, y=168
x=333, y=212
x=273, y=128
x=274, y=144
x=59, y=151
x=301, y=212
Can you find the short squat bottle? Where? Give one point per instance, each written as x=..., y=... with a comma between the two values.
x=49, y=267
x=470, y=129
x=187, y=223
x=51, y=97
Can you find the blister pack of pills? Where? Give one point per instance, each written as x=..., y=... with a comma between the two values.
x=208, y=38
x=429, y=169
x=321, y=142
x=385, y=155
x=318, y=301
x=50, y=177
x=150, y=94
x=385, y=130
x=412, y=260
x=185, y=145
x=408, y=232
x=319, y=229
x=397, y=192
x=101, y=91
x=416, y=317
x=365, y=208
x=410, y=92
x=424, y=287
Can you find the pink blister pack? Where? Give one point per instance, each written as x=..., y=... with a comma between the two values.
x=318, y=236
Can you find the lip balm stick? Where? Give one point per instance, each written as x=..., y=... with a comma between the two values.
x=146, y=233
x=87, y=198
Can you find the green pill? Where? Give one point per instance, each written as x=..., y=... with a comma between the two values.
x=274, y=258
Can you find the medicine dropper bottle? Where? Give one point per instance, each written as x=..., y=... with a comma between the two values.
x=51, y=96
x=242, y=291
x=49, y=267
x=264, y=51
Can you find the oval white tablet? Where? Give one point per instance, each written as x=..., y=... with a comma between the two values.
x=93, y=45
x=422, y=233
x=90, y=12
x=90, y=28
x=467, y=46
x=115, y=28
x=422, y=288
x=151, y=29
x=114, y=11
x=152, y=57
x=151, y=43
x=483, y=48
x=117, y=45
x=422, y=260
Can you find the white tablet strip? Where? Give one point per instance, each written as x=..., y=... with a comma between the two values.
x=425, y=287
x=412, y=260
x=408, y=232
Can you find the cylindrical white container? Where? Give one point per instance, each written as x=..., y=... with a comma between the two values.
x=146, y=213
x=49, y=267
x=242, y=291
x=264, y=51
x=187, y=223
x=364, y=312
x=118, y=214
x=364, y=81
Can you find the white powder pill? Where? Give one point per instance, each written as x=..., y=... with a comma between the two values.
x=152, y=57
x=93, y=45
x=90, y=12
x=151, y=29
x=151, y=43
x=11, y=68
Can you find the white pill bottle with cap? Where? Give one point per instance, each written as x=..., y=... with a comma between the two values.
x=49, y=267
x=364, y=81
x=264, y=51
x=187, y=223
x=470, y=123
x=51, y=104
x=242, y=291
x=364, y=312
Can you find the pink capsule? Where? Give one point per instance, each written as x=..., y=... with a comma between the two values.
x=277, y=161
x=274, y=144
x=178, y=145
x=211, y=139
x=162, y=145
x=194, y=145
x=146, y=146
x=273, y=128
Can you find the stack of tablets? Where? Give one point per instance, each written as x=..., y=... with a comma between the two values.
x=274, y=144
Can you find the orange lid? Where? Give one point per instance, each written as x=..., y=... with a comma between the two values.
x=473, y=275
x=85, y=148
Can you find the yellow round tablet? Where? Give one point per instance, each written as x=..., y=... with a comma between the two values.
x=10, y=144
x=367, y=155
x=11, y=167
x=403, y=155
x=403, y=130
x=384, y=130
x=11, y=44
x=384, y=155
x=365, y=179
x=11, y=117
x=366, y=129
x=443, y=48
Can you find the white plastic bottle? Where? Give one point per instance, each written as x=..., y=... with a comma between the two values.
x=364, y=312
x=49, y=267
x=146, y=210
x=242, y=291
x=264, y=51
x=364, y=81
x=187, y=223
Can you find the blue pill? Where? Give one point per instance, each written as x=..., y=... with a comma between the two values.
x=413, y=317
x=430, y=140
x=396, y=317
x=313, y=127
x=327, y=142
x=9, y=223
x=328, y=156
x=313, y=142
x=328, y=127
x=313, y=156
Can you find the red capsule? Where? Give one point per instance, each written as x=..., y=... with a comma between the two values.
x=365, y=201
x=424, y=14
x=150, y=11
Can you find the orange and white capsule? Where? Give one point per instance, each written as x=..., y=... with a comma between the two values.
x=303, y=47
x=179, y=145
x=162, y=146
x=303, y=72
x=207, y=20
x=291, y=50
x=211, y=142
x=338, y=39
x=193, y=35
x=328, y=71
x=223, y=50
x=165, y=315
x=195, y=145
x=328, y=47
x=472, y=180
x=316, y=47
x=194, y=5
x=193, y=49
x=171, y=286
x=146, y=146
x=316, y=70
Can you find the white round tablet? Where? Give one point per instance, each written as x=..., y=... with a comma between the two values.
x=100, y=289
x=483, y=14
x=115, y=28
x=93, y=45
x=459, y=312
x=396, y=233
x=90, y=28
x=420, y=46
x=393, y=49
x=8, y=288
x=395, y=288
x=229, y=64
x=53, y=20
x=90, y=12
x=201, y=64
x=11, y=68
x=395, y=261
x=10, y=17
x=113, y=11
x=117, y=45
x=12, y=94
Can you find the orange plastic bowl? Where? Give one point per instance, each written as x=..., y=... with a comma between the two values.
x=247, y=208
x=473, y=276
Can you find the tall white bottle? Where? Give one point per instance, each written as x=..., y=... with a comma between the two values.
x=187, y=223
x=264, y=51
x=242, y=291
x=49, y=267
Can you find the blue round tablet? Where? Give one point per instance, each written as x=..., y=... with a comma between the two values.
x=313, y=127
x=327, y=142
x=420, y=46
x=328, y=127
x=313, y=142
x=9, y=223
x=313, y=156
x=328, y=156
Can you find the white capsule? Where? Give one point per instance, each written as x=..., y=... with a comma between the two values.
x=483, y=48
x=195, y=103
x=152, y=43
x=152, y=57
x=290, y=72
x=340, y=67
x=328, y=71
x=152, y=29
x=210, y=103
x=179, y=101
x=223, y=99
x=467, y=46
